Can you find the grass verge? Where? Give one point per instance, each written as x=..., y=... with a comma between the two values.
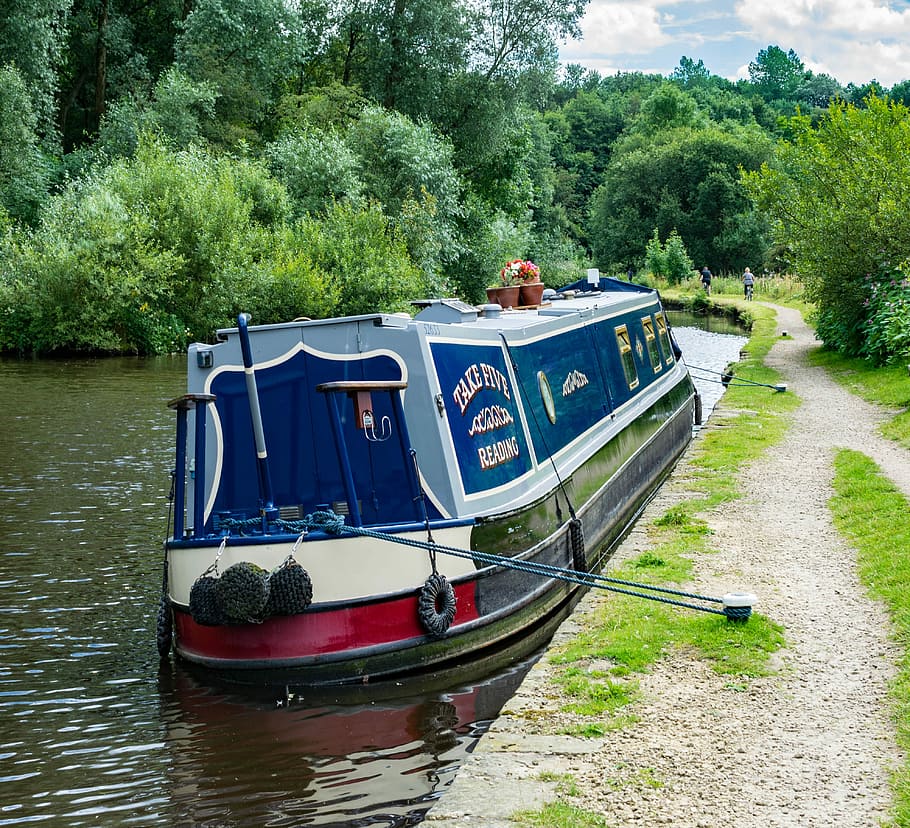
x=875, y=517
x=888, y=386
x=596, y=673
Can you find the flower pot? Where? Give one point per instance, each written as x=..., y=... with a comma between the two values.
x=530, y=294
x=505, y=296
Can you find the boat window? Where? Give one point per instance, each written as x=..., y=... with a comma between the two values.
x=625, y=353
x=647, y=325
x=664, y=335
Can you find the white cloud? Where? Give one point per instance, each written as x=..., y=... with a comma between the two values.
x=855, y=41
x=852, y=40
x=824, y=17
x=619, y=28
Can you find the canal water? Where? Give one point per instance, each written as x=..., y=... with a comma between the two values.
x=93, y=729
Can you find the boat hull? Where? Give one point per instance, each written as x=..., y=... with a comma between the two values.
x=502, y=612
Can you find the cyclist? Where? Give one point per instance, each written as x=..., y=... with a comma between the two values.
x=748, y=283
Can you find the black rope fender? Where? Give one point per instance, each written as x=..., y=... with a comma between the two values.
x=436, y=605
x=164, y=627
x=577, y=541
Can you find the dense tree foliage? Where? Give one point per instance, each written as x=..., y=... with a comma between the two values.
x=168, y=162
x=839, y=200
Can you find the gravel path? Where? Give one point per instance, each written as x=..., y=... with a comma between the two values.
x=810, y=746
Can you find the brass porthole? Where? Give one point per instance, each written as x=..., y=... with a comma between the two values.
x=546, y=395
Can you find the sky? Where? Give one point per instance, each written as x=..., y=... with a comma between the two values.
x=855, y=41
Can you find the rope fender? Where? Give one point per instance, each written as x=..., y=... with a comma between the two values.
x=164, y=626
x=577, y=541
x=436, y=604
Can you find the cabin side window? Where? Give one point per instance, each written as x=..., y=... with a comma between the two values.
x=647, y=325
x=664, y=336
x=625, y=355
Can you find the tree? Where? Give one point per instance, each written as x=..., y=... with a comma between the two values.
x=245, y=50
x=665, y=108
x=776, y=74
x=32, y=39
x=317, y=168
x=516, y=33
x=113, y=49
x=23, y=170
x=179, y=112
x=408, y=169
x=690, y=74
x=684, y=179
x=839, y=200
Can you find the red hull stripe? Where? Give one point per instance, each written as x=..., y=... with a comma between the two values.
x=315, y=633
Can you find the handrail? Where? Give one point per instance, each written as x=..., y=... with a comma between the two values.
x=183, y=405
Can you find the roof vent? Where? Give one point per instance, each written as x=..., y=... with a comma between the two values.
x=444, y=310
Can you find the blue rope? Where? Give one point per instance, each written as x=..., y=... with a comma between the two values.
x=587, y=579
x=326, y=521
x=329, y=521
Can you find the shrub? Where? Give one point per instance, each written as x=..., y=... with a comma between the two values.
x=669, y=260
x=886, y=331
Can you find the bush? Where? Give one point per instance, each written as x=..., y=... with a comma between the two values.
x=316, y=167
x=886, y=331
x=669, y=260
x=140, y=257
x=364, y=259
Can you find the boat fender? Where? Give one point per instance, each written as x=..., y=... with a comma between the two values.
x=290, y=589
x=164, y=629
x=204, y=606
x=698, y=409
x=577, y=541
x=436, y=605
x=242, y=592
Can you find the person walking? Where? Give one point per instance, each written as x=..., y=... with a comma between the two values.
x=748, y=283
x=706, y=279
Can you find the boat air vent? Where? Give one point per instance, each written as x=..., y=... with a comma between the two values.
x=205, y=358
x=340, y=507
x=290, y=512
x=444, y=310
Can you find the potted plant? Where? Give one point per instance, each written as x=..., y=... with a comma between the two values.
x=527, y=275
x=505, y=290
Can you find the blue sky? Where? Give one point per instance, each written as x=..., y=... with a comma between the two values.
x=852, y=40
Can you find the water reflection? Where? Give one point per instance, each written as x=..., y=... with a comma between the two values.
x=91, y=731
x=379, y=763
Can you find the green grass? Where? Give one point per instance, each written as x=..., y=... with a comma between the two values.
x=560, y=815
x=888, y=386
x=597, y=670
x=875, y=517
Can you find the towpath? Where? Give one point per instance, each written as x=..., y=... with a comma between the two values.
x=809, y=746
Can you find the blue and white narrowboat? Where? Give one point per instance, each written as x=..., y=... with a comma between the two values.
x=367, y=497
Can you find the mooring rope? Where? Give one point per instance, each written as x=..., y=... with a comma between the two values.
x=333, y=523
x=727, y=379
x=323, y=520
x=587, y=579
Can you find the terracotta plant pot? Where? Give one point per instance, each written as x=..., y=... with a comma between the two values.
x=505, y=296
x=530, y=294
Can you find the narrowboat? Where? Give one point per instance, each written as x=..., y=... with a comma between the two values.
x=369, y=497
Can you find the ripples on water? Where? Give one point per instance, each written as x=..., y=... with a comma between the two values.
x=92, y=731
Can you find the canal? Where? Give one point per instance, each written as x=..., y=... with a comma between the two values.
x=93, y=729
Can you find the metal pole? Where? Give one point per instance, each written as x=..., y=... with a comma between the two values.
x=180, y=479
x=266, y=504
x=347, y=474
x=201, y=411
